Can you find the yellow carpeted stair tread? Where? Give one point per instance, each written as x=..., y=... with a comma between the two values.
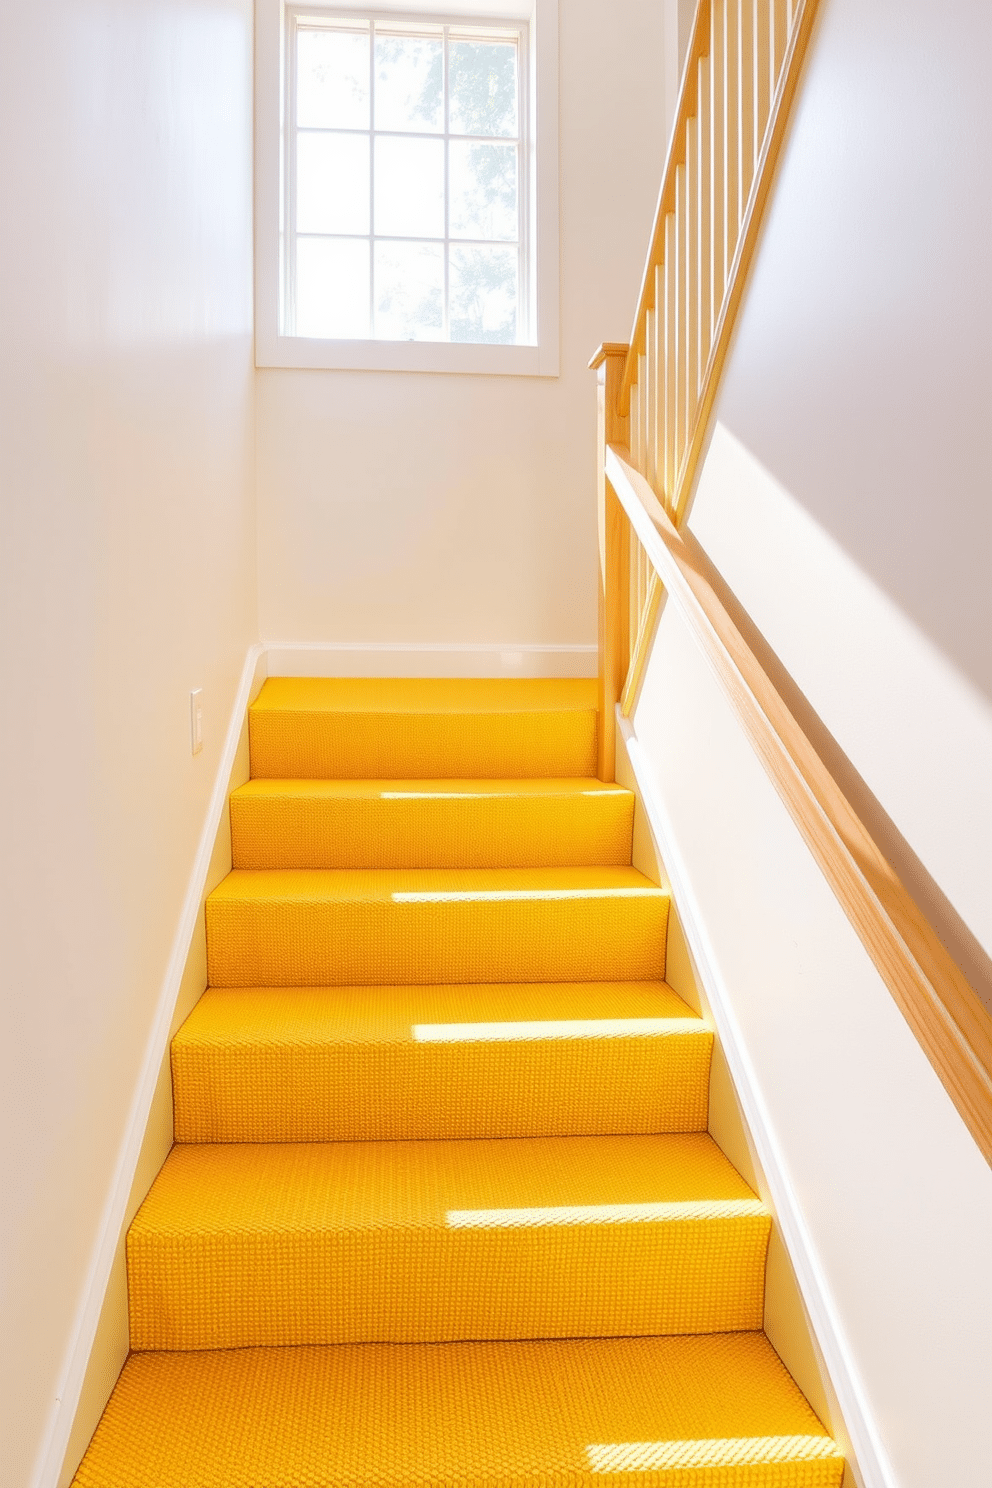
x=325, y=1064
x=412, y=727
x=435, y=1241
x=430, y=823
x=334, y=927
x=711, y=1412
x=432, y=939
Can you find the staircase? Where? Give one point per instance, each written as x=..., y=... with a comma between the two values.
x=442, y=1207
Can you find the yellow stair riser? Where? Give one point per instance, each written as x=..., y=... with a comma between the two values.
x=428, y=1286
x=717, y=1412
x=254, y=939
x=361, y=746
x=407, y=824
x=375, y=1092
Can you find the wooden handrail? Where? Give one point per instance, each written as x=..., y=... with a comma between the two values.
x=656, y=398
x=940, y=1006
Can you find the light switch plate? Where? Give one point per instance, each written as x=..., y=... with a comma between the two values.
x=196, y=720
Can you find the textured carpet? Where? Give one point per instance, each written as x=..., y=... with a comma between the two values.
x=319, y=1064
x=430, y=824
x=442, y=1208
x=715, y=1412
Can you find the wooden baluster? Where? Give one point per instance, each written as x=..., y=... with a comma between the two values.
x=658, y=383
x=635, y=595
x=671, y=339
x=762, y=71
x=704, y=218
x=718, y=175
x=731, y=130
x=650, y=375
x=642, y=579
x=745, y=103
x=693, y=282
x=614, y=642
x=635, y=598
x=642, y=410
x=681, y=336
x=780, y=35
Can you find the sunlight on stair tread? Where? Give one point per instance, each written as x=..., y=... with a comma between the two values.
x=499, y=790
x=580, y=1214
x=707, y=1452
x=561, y=1028
x=503, y=896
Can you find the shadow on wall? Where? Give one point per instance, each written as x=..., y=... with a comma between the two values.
x=862, y=373
x=856, y=668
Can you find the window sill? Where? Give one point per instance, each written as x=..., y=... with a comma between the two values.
x=406, y=356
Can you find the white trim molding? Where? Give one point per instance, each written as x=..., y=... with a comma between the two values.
x=874, y=1466
x=540, y=357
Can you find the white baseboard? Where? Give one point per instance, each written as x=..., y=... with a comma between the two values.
x=414, y=659
x=59, y=1427
x=873, y=1463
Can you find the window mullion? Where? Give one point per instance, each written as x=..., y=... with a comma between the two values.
x=446, y=311
x=525, y=252
x=523, y=278
x=289, y=164
x=371, y=240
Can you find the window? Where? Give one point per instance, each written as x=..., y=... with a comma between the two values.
x=405, y=211
x=406, y=208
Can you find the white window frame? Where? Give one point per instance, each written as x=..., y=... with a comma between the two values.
x=539, y=93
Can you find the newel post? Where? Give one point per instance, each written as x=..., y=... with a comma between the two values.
x=609, y=363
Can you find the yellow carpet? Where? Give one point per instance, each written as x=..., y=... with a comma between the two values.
x=442, y=1208
x=333, y=927
x=317, y=1064
x=410, y=1242
x=406, y=728
x=430, y=824
x=716, y=1412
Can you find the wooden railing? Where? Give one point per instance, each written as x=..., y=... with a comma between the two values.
x=655, y=400
x=932, y=992
x=741, y=73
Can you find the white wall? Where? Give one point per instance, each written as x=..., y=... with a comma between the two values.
x=462, y=509
x=127, y=556
x=845, y=497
